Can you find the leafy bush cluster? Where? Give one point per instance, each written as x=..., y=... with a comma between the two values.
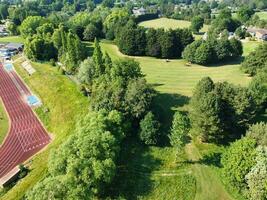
x=245, y=164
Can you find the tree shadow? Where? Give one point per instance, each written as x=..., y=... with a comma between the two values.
x=135, y=166
x=236, y=61
x=89, y=48
x=163, y=107
x=213, y=158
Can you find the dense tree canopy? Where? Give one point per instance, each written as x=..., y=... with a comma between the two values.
x=134, y=40
x=30, y=24
x=213, y=51
x=85, y=163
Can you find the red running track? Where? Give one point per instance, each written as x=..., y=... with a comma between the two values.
x=26, y=134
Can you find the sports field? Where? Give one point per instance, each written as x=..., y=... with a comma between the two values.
x=169, y=24
x=3, y=123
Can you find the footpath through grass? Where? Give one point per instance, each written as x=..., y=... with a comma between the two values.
x=62, y=105
x=4, y=123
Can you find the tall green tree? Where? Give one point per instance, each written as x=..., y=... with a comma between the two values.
x=149, y=129
x=30, y=24
x=196, y=24
x=179, y=131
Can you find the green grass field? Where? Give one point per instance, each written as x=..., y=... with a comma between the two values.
x=176, y=78
x=4, y=124
x=262, y=15
x=65, y=104
x=169, y=24
x=16, y=39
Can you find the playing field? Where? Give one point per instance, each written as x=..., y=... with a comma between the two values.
x=3, y=123
x=175, y=77
x=262, y=15
x=169, y=24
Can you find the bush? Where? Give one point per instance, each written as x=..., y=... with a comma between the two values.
x=237, y=162
x=258, y=132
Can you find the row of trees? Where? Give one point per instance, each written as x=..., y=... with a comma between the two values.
x=135, y=40
x=213, y=51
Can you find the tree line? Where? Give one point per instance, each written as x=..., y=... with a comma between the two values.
x=160, y=43
x=213, y=50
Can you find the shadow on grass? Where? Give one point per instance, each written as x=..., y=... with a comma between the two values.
x=164, y=106
x=89, y=48
x=237, y=61
x=133, y=178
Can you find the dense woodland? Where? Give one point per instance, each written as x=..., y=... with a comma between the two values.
x=122, y=103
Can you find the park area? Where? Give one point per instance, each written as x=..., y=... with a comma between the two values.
x=151, y=172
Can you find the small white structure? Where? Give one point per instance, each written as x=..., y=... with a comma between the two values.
x=28, y=67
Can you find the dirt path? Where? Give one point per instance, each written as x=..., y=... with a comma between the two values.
x=209, y=186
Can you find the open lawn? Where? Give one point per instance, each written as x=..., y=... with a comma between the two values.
x=175, y=77
x=4, y=124
x=169, y=24
x=16, y=39
x=62, y=105
x=249, y=46
x=262, y=15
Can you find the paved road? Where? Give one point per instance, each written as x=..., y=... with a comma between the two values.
x=26, y=134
